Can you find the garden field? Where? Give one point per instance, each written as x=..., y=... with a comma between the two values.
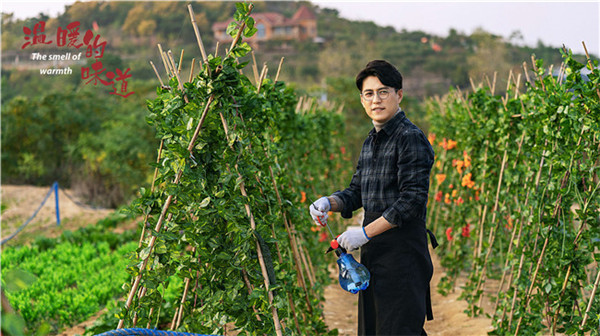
x=221, y=242
x=449, y=316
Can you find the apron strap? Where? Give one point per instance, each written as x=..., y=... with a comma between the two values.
x=434, y=242
x=428, y=304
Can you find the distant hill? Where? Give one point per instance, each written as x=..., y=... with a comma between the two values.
x=430, y=63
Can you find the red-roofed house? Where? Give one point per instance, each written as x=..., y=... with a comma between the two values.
x=274, y=26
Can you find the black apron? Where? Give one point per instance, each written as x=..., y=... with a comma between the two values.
x=398, y=297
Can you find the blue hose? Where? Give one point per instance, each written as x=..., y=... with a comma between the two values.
x=147, y=332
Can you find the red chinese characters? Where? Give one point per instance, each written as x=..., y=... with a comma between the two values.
x=69, y=37
x=36, y=35
x=71, y=33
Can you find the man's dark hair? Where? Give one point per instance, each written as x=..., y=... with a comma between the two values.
x=386, y=73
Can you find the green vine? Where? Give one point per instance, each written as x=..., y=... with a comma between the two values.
x=227, y=216
x=532, y=207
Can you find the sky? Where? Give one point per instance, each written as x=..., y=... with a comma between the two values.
x=553, y=22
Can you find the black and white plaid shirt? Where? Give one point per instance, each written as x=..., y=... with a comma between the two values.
x=392, y=174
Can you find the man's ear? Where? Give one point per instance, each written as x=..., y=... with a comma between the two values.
x=399, y=92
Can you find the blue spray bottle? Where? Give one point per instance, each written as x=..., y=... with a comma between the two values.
x=354, y=276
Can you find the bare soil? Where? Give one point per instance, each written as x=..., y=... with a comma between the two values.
x=21, y=202
x=341, y=310
x=340, y=307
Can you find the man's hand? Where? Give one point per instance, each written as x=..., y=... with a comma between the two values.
x=353, y=239
x=319, y=209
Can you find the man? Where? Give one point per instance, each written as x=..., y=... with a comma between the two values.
x=391, y=183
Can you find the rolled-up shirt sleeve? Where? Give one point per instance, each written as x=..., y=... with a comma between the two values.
x=350, y=199
x=415, y=159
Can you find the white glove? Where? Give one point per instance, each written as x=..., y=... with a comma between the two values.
x=319, y=209
x=353, y=239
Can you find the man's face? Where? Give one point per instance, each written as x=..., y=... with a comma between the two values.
x=378, y=108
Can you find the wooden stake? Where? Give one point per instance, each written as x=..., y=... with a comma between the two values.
x=279, y=69
x=589, y=306
x=255, y=68
x=157, y=75
x=192, y=71
x=183, y=297
x=492, y=237
x=536, y=71
x=263, y=75
x=261, y=260
x=239, y=34
x=197, y=32
x=180, y=62
x=162, y=56
x=160, y=221
x=526, y=72
x=590, y=65
x=472, y=84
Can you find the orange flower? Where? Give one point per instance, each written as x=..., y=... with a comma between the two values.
x=467, y=159
x=431, y=138
x=454, y=193
x=447, y=199
x=459, y=166
x=315, y=228
x=467, y=182
x=477, y=195
x=451, y=144
x=440, y=178
x=451, y=186
x=438, y=196
x=443, y=143
x=343, y=150
x=509, y=224
x=303, y=197
x=459, y=201
x=449, y=234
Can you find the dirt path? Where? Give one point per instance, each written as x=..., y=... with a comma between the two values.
x=341, y=310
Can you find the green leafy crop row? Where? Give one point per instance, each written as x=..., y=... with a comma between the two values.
x=67, y=283
x=515, y=197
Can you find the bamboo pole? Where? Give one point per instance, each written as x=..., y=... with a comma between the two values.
x=261, y=260
x=263, y=75
x=197, y=32
x=183, y=297
x=526, y=73
x=163, y=213
x=534, y=278
x=279, y=69
x=492, y=237
x=240, y=31
x=254, y=68
x=180, y=62
x=157, y=75
x=590, y=65
x=589, y=306
x=192, y=71
x=162, y=57
x=536, y=71
x=293, y=241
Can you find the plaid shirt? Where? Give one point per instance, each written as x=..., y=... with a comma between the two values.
x=392, y=175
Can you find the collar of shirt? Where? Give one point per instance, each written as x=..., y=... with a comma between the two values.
x=391, y=124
